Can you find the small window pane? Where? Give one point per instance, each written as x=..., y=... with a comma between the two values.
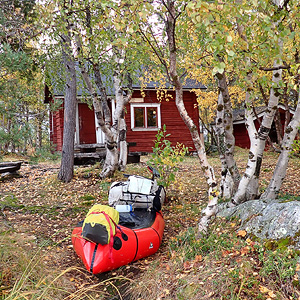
x=152, y=117
x=139, y=117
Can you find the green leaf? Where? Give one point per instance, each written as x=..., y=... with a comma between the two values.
x=230, y=53
x=229, y=38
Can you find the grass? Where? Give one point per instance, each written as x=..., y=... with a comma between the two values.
x=221, y=265
x=37, y=260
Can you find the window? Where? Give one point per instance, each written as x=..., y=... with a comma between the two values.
x=145, y=116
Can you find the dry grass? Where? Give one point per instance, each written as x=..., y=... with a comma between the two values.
x=37, y=260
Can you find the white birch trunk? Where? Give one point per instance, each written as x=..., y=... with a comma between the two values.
x=226, y=182
x=96, y=103
x=111, y=133
x=112, y=157
x=248, y=187
x=230, y=174
x=286, y=147
x=103, y=96
x=117, y=159
x=123, y=143
x=240, y=195
x=208, y=171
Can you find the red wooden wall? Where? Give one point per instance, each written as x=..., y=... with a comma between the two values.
x=241, y=134
x=57, y=128
x=175, y=126
x=144, y=140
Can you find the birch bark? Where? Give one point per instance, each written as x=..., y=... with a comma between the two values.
x=207, y=169
x=122, y=142
x=280, y=170
x=102, y=111
x=112, y=158
x=230, y=174
x=225, y=187
x=248, y=186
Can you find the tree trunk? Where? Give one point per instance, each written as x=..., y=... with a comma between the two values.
x=8, y=142
x=208, y=171
x=226, y=182
x=230, y=173
x=123, y=143
x=67, y=161
x=111, y=159
x=278, y=127
x=248, y=187
x=103, y=96
x=39, y=137
x=287, y=114
x=111, y=133
x=280, y=171
x=118, y=129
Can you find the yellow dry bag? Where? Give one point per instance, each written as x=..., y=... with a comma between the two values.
x=100, y=224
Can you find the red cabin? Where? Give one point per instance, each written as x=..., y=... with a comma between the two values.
x=145, y=115
x=240, y=131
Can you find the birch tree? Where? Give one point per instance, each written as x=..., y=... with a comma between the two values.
x=106, y=49
x=243, y=40
x=268, y=44
x=109, y=56
x=248, y=188
x=170, y=12
x=279, y=173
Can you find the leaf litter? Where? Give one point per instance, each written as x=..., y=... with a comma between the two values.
x=44, y=211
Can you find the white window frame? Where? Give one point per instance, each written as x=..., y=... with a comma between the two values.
x=145, y=105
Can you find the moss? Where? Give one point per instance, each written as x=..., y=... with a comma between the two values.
x=281, y=244
x=88, y=197
x=297, y=234
x=284, y=243
x=288, y=198
x=296, y=284
x=271, y=245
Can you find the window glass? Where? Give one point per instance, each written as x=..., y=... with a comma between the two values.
x=139, y=117
x=151, y=117
x=145, y=116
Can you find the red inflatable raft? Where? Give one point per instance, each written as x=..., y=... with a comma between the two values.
x=139, y=235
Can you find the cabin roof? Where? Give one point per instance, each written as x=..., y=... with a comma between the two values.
x=188, y=84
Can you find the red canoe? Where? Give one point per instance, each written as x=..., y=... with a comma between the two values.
x=131, y=242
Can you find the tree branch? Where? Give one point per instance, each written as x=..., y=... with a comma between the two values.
x=163, y=62
x=275, y=68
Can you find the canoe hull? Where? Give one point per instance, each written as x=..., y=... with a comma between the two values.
x=141, y=243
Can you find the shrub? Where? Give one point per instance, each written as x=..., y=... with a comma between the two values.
x=166, y=157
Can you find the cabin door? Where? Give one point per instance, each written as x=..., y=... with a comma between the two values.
x=86, y=124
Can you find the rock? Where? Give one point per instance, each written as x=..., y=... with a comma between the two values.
x=272, y=219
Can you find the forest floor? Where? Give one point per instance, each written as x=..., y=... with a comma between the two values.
x=37, y=260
